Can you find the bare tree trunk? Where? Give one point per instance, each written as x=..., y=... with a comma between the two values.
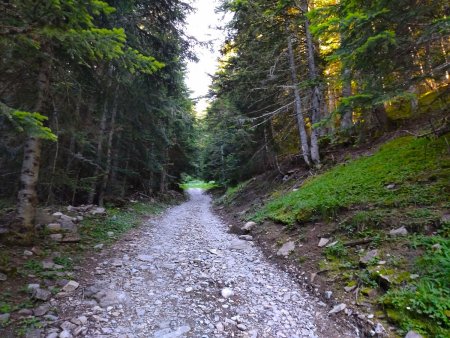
x=298, y=103
x=50, y=196
x=346, y=118
x=27, y=197
x=163, y=182
x=101, y=134
x=317, y=96
x=107, y=171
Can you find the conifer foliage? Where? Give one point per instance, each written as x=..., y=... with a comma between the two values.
x=92, y=100
x=297, y=74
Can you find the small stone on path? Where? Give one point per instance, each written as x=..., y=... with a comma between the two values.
x=227, y=293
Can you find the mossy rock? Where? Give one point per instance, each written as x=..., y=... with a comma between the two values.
x=388, y=277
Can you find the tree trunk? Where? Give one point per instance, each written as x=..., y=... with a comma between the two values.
x=27, y=197
x=107, y=171
x=101, y=134
x=317, y=97
x=163, y=182
x=298, y=103
x=346, y=117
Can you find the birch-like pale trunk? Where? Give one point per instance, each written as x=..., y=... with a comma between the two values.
x=316, y=97
x=27, y=197
x=298, y=104
x=107, y=172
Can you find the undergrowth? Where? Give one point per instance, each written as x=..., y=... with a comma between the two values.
x=424, y=304
x=418, y=169
x=117, y=221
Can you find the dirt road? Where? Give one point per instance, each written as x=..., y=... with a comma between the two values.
x=183, y=275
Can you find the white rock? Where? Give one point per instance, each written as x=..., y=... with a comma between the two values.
x=399, y=232
x=249, y=226
x=65, y=334
x=413, y=334
x=286, y=249
x=27, y=253
x=3, y=277
x=58, y=214
x=189, y=289
x=227, y=292
x=338, y=308
x=323, y=242
x=70, y=286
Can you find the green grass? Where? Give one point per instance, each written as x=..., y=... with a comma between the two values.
x=424, y=305
x=420, y=169
x=199, y=184
x=231, y=193
x=118, y=221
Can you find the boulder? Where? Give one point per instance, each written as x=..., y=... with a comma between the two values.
x=3, y=277
x=246, y=237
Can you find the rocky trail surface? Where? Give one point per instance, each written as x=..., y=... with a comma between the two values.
x=183, y=275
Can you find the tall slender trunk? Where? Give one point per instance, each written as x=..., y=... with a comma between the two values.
x=298, y=103
x=50, y=196
x=101, y=135
x=316, y=97
x=27, y=196
x=347, y=114
x=163, y=182
x=107, y=171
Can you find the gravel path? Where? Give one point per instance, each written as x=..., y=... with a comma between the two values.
x=183, y=275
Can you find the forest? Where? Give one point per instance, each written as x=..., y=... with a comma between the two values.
x=93, y=101
x=327, y=119
x=297, y=75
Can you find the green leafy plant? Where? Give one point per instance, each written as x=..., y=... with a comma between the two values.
x=336, y=251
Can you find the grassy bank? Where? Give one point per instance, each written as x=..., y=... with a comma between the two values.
x=406, y=171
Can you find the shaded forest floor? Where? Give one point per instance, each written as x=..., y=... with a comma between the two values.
x=370, y=230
